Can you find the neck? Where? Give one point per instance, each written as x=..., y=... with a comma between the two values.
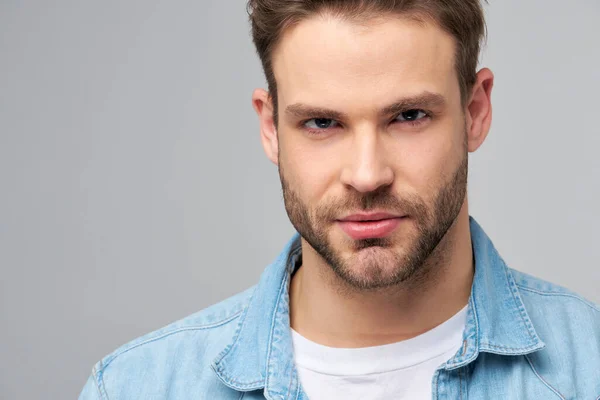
x=323, y=310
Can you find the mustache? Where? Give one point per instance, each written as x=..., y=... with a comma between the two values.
x=381, y=200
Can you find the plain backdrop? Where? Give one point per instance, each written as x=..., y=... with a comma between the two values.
x=134, y=190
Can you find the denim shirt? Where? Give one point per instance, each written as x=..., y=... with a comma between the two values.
x=524, y=339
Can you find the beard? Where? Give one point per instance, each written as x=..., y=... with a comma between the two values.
x=377, y=263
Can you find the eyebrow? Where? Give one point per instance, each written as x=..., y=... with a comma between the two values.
x=425, y=101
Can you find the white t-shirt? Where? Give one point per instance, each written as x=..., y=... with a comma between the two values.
x=402, y=370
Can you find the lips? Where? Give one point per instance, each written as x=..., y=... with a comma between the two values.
x=370, y=226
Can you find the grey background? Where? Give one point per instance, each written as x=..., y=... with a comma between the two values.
x=134, y=190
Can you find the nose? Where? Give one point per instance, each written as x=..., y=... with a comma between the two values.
x=367, y=168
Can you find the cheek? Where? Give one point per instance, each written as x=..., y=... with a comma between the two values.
x=425, y=163
x=308, y=169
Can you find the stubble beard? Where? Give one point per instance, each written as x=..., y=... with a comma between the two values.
x=368, y=268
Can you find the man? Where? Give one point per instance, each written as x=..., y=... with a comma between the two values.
x=390, y=290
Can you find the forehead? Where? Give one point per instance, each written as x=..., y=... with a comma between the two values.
x=327, y=60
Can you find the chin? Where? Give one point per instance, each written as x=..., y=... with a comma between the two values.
x=378, y=258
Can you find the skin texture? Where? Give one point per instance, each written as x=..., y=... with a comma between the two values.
x=371, y=149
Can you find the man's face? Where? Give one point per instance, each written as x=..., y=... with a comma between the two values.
x=370, y=121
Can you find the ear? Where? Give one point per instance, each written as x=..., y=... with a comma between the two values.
x=479, y=109
x=263, y=105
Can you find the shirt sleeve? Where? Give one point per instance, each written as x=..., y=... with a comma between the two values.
x=90, y=390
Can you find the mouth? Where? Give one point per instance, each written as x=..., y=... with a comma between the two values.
x=370, y=226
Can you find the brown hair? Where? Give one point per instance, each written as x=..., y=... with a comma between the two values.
x=463, y=19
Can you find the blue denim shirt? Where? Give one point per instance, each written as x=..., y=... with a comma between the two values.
x=524, y=339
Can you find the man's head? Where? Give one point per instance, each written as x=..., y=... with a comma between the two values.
x=372, y=107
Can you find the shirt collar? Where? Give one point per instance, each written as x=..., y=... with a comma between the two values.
x=497, y=321
x=261, y=356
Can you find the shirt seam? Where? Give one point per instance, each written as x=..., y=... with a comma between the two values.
x=460, y=384
x=477, y=331
x=298, y=388
x=436, y=385
x=501, y=347
x=573, y=296
x=169, y=333
x=271, y=333
x=556, y=392
x=519, y=304
x=99, y=383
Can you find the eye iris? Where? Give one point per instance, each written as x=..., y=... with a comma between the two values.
x=411, y=115
x=323, y=123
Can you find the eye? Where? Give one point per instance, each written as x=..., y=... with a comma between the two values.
x=411, y=116
x=321, y=123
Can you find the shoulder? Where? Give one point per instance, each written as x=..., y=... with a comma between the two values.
x=539, y=292
x=569, y=325
x=217, y=318
x=555, y=308
x=175, y=353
